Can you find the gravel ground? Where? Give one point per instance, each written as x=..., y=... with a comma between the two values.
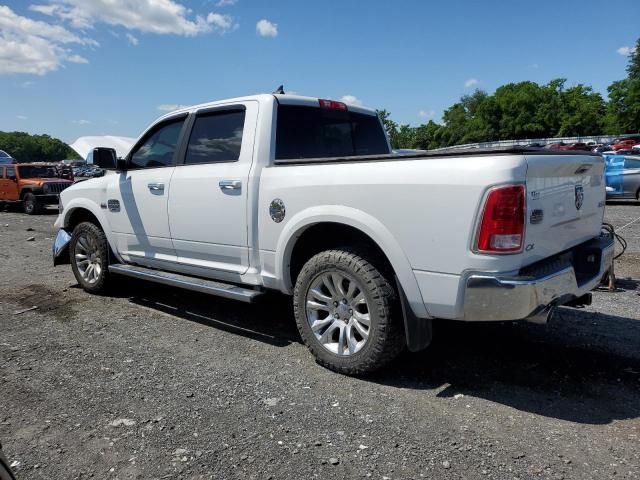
x=152, y=383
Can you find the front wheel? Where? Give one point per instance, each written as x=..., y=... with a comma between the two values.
x=344, y=308
x=89, y=253
x=30, y=204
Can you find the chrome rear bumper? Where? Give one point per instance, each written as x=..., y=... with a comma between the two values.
x=536, y=289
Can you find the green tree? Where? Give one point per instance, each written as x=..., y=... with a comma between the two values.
x=35, y=148
x=623, y=109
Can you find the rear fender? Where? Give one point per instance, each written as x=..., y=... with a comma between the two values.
x=362, y=221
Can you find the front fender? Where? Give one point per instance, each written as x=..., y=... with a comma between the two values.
x=73, y=205
x=362, y=221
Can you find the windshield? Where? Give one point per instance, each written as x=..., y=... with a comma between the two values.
x=37, y=172
x=4, y=154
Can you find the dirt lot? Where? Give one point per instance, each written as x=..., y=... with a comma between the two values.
x=153, y=383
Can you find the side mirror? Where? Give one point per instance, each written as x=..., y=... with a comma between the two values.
x=121, y=164
x=103, y=157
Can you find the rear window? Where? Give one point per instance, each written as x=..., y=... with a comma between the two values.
x=310, y=132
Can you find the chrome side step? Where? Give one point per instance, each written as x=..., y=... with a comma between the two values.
x=186, y=282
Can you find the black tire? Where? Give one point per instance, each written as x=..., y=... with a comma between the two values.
x=30, y=204
x=386, y=334
x=5, y=471
x=87, y=231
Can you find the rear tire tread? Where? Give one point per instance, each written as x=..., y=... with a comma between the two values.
x=389, y=340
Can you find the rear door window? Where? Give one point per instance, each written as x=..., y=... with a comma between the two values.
x=216, y=137
x=632, y=163
x=313, y=132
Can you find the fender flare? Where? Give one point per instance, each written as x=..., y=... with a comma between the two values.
x=96, y=211
x=359, y=220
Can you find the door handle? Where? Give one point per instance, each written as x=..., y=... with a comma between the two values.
x=230, y=184
x=156, y=187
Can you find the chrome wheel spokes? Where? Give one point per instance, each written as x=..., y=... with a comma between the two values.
x=338, y=313
x=87, y=258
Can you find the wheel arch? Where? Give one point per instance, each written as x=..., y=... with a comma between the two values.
x=76, y=213
x=24, y=191
x=360, y=225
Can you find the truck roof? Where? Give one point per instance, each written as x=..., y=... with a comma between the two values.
x=286, y=99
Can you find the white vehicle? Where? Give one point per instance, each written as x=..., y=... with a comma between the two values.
x=303, y=196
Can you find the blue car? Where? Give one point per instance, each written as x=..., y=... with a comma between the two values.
x=5, y=158
x=622, y=176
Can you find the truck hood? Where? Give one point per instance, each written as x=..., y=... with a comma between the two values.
x=42, y=181
x=84, y=145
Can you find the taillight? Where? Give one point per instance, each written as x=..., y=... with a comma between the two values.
x=332, y=104
x=502, y=226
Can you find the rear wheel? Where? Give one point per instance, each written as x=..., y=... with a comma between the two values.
x=344, y=308
x=30, y=204
x=89, y=252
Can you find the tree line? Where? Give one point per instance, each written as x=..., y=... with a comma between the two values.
x=529, y=110
x=35, y=148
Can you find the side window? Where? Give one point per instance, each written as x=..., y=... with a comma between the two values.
x=11, y=172
x=158, y=148
x=216, y=137
x=631, y=163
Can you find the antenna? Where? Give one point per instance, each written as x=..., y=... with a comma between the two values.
x=279, y=90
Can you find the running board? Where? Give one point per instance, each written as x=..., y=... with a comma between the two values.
x=186, y=282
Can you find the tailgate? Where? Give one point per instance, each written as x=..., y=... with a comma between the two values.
x=565, y=202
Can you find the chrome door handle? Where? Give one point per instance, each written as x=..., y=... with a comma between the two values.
x=230, y=184
x=156, y=187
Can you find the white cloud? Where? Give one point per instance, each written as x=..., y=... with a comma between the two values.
x=170, y=107
x=351, y=99
x=221, y=23
x=21, y=117
x=132, y=40
x=77, y=59
x=27, y=84
x=626, y=51
x=471, y=83
x=427, y=114
x=35, y=47
x=226, y=3
x=151, y=16
x=267, y=29
x=82, y=122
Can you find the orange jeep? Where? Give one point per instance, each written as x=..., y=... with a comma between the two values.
x=32, y=184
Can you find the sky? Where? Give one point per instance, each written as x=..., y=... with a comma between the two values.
x=70, y=68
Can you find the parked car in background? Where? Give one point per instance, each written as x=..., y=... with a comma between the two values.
x=555, y=146
x=577, y=146
x=622, y=174
x=5, y=158
x=34, y=185
x=304, y=196
x=626, y=144
x=602, y=148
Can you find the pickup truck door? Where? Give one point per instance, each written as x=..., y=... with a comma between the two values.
x=208, y=201
x=136, y=200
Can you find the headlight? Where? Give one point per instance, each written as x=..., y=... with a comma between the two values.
x=45, y=188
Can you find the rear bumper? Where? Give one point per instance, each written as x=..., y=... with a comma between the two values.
x=538, y=288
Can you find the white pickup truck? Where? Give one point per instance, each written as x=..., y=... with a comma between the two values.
x=303, y=196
